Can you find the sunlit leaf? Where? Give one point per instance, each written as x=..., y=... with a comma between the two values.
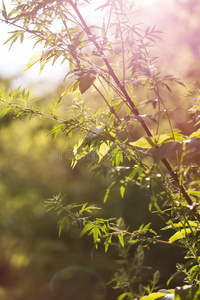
x=181, y=225
x=86, y=229
x=34, y=59
x=107, y=242
x=180, y=234
x=108, y=192
x=161, y=295
x=122, y=190
x=121, y=238
x=157, y=140
x=103, y=150
x=122, y=296
x=195, y=134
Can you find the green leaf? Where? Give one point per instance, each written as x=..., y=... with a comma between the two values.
x=195, y=134
x=180, y=234
x=165, y=295
x=103, y=150
x=149, y=142
x=86, y=228
x=62, y=224
x=122, y=190
x=132, y=242
x=181, y=224
x=108, y=192
x=88, y=209
x=96, y=233
x=108, y=242
x=34, y=59
x=121, y=238
x=56, y=130
x=144, y=142
x=122, y=296
x=119, y=158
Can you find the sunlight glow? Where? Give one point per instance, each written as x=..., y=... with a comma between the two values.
x=145, y=3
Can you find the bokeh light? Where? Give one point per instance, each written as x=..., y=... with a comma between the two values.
x=77, y=282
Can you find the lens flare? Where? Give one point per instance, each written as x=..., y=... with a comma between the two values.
x=77, y=282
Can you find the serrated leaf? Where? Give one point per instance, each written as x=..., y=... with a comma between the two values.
x=34, y=59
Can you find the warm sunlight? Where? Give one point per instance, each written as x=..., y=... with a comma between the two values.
x=145, y=2
x=100, y=147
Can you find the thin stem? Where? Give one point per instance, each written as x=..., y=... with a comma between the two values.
x=122, y=41
x=112, y=110
x=72, y=123
x=148, y=238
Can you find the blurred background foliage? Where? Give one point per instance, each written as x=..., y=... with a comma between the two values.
x=33, y=168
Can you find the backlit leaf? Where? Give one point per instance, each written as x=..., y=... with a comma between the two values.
x=122, y=296
x=122, y=190
x=180, y=234
x=34, y=59
x=161, y=295
x=103, y=150
x=85, y=229
x=121, y=239
x=195, y=134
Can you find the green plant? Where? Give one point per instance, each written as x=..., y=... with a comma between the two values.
x=133, y=142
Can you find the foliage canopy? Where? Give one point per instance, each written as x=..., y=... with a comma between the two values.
x=127, y=133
